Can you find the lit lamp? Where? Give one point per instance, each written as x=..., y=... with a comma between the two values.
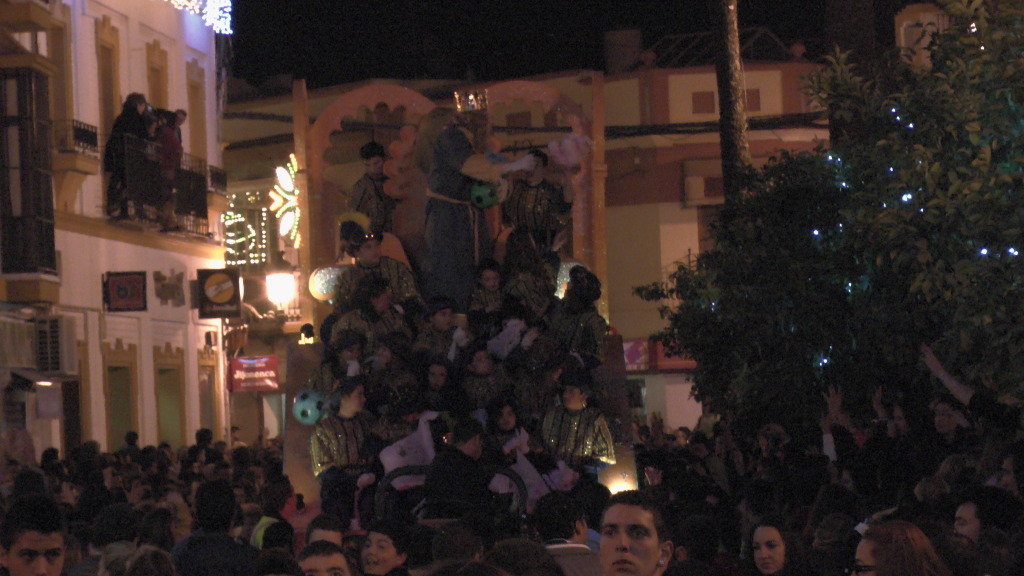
x=623, y=474
x=281, y=285
x=281, y=288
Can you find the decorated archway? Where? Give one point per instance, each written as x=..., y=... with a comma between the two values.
x=381, y=104
x=401, y=119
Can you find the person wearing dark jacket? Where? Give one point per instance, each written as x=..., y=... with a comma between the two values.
x=130, y=123
x=456, y=475
x=170, y=156
x=211, y=551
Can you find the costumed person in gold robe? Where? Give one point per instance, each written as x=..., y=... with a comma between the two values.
x=341, y=360
x=525, y=277
x=372, y=314
x=536, y=366
x=485, y=304
x=537, y=204
x=483, y=376
x=393, y=379
x=456, y=231
x=340, y=449
x=575, y=432
x=440, y=335
x=363, y=244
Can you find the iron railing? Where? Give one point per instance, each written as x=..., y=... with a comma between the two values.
x=218, y=179
x=77, y=137
x=144, y=183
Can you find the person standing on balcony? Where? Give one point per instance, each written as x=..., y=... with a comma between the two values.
x=182, y=115
x=130, y=123
x=170, y=160
x=368, y=194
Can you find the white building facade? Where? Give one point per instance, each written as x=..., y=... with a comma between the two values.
x=93, y=359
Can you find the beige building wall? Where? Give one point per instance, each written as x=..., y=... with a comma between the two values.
x=87, y=245
x=84, y=259
x=657, y=184
x=669, y=395
x=686, y=89
x=644, y=242
x=624, y=99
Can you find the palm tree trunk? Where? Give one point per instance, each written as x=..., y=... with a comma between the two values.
x=731, y=100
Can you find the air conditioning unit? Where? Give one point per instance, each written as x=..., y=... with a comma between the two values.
x=56, y=346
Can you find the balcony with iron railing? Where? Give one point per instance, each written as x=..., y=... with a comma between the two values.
x=218, y=180
x=144, y=183
x=76, y=156
x=76, y=137
x=193, y=181
x=217, y=198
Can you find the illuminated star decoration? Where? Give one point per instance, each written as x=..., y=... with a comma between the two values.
x=285, y=205
x=215, y=13
x=190, y=5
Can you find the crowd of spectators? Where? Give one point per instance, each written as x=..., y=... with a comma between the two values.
x=930, y=490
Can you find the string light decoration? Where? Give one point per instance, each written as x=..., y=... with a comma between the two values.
x=189, y=5
x=215, y=13
x=246, y=223
x=285, y=203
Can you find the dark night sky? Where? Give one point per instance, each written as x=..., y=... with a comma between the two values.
x=333, y=41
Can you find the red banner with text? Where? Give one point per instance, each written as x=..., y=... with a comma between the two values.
x=253, y=374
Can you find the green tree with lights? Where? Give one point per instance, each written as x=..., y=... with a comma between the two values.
x=832, y=268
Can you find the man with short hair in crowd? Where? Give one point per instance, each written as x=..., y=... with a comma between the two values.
x=983, y=508
x=32, y=537
x=204, y=438
x=236, y=438
x=457, y=475
x=114, y=531
x=211, y=551
x=325, y=527
x=386, y=548
x=634, y=536
x=278, y=502
x=130, y=448
x=323, y=558
x=561, y=523
x=456, y=542
x=181, y=114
